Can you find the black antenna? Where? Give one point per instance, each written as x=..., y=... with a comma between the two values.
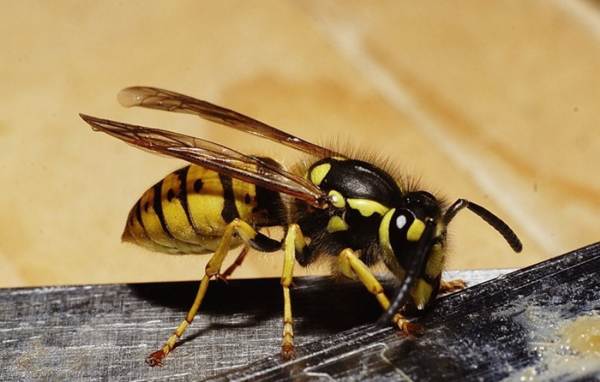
x=507, y=233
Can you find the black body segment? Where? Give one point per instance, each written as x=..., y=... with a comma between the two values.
x=360, y=180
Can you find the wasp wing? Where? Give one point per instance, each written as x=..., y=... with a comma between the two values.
x=155, y=98
x=214, y=157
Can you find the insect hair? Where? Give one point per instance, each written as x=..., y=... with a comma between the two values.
x=349, y=149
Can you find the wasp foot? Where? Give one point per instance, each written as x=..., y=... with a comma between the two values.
x=156, y=358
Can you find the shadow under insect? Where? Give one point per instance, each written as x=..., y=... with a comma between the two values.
x=321, y=304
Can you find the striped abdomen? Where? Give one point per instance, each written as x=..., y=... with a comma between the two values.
x=188, y=210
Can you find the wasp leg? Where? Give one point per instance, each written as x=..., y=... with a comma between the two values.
x=294, y=242
x=352, y=267
x=238, y=261
x=452, y=285
x=249, y=236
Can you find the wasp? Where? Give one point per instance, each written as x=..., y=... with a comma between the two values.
x=346, y=209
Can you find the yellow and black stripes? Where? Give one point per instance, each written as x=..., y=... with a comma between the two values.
x=158, y=209
x=229, y=211
x=355, y=179
x=182, y=194
x=187, y=211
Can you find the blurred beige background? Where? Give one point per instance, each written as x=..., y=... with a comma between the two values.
x=498, y=102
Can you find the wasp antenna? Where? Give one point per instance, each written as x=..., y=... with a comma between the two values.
x=498, y=224
x=414, y=269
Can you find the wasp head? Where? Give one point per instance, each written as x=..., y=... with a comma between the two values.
x=402, y=230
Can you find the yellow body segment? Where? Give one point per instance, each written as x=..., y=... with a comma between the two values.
x=134, y=231
x=336, y=224
x=175, y=216
x=367, y=207
x=384, y=231
x=337, y=199
x=191, y=213
x=245, y=197
x=319, y=173
x=151, y=221
x=205, y=202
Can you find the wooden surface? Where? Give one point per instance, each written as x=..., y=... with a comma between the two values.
x=104, y=332
x=511, y=326
x=492, y=101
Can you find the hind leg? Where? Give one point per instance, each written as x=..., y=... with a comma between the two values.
x=236, y=263
x=250, y=237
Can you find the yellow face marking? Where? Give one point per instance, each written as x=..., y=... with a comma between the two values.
x=336, y=199
x=336, y=224
x=319, y=173
x=435, y=263
x=367, y=207
x=415, y=231
x=421, y=293
x=384, y=231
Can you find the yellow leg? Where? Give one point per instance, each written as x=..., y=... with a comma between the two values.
x=294, y=241
x=351, y=266
x=247, y=233
x=452, y=285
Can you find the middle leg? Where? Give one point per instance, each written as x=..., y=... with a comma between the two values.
x=293, y=243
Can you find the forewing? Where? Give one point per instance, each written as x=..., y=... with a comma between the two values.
x=155, y=98
x=212, y=156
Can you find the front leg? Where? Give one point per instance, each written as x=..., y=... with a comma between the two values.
x=352, y=267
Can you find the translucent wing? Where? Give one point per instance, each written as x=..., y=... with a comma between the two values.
x=214, y=157
x=155, y=98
